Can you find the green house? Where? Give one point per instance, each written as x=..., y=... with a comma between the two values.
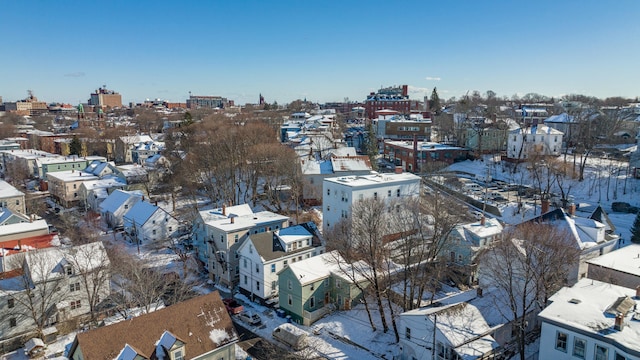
x=312, y=288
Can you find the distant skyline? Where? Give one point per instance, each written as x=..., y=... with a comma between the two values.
x=319, y=50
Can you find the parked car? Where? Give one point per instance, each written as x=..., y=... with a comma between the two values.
x=250, y=318
x=233, y=307
x=624, y=207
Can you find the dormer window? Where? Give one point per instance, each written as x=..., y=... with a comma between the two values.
x=68, y=270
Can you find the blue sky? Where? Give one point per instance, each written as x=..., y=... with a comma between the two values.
x=321, y=50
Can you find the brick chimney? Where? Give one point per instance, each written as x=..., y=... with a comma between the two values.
x=638, y=292
x=224, y=210
x=572, y=209
x=405, y=90
x=398, y=169
x=233, y=219
x=619, y=324
x=483, y=220
x=545, y=206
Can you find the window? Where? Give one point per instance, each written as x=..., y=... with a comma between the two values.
x=274, y=285
x=290, y=299
x=69, y=270
x=273, y=268
x=245, y=263
x=75, y=304
x=153, y=231
x=74, y=287
x=338, y=283
x=375, y=196
x=11, y=303
x=13, y=322
x=178, y=355
x=398, y=193
x=389, y=193
x=312, y=286
x=251, y=249
x=561, y=341
x=221, y=238
x=258, y=285
x=245, y=279
x=285, y=263
x=75, y=186
x=328, y=191
x=312, y=302
x=235, y=238
x=602, y=353
x=579, y=347
x=407, y=333
x=289, y=285
x=328, y=207
x=619, y=357
x=257, y=268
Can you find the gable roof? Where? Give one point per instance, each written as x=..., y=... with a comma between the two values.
x=8, y=190
x=202, y=323
x=140, y=212
x=601, y=216
x=117, y=198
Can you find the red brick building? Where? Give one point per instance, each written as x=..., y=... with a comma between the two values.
x=393, y=98
x=418, y=156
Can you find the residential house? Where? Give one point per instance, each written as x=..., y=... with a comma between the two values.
x=64, y=186
x=94, y=192
x=591, y=320
x=217, y=234
x=414, y=156
x=340, y=193
x=564, y=123
x=134, y=175
x=588, y=235
x=118, y=203
x=50, y=284
x=198, y=328
x=19, y=226
x=468, y=325
x=126, y=144
x=537, y=140
x=22, y=163
x=263, y=255
x=100, y=168
x=313, y=287
x=11, y=198
x=145, y=222
x=143, y=150
x=315, y=171
x=61, y=163
x=620, y=267
x=466, y=240
x=399, y=127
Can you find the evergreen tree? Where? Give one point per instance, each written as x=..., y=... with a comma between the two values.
x=188, y=119
x=635, y=230
x=434, y=102
x=370, y=146
x=75, y=146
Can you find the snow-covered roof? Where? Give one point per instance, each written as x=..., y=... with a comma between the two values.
x=422, y=145
x=132, y=170
x=243, y=218
x=8, y=190
x=350, y=163
x=292, y=234
x=140, y=212
x=560, y=118
x=374, y=179
x=47, y=264
x=71, y=175
x=35, y=225
x=322, y=266
x=28, y=153
x=538, y=130
x=134, y=139
x=491, y=227
x=584, y=307
x=117, y=198
x=105, y=182
x=626, y=259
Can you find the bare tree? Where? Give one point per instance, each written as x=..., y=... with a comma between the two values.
x=92, y=266
x=532, y=262
x=39, y=286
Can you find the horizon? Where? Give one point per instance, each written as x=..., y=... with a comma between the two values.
x=321, y=51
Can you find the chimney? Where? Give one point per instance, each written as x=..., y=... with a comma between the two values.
x=398, y=169
x=572, y=209
x=233, y=219
x=619, y=324
x=638, y=292
x=224, y=210
x=19, y=245
x=545, y=206
x=479, y=291
x=483, y=220
x=405, y=90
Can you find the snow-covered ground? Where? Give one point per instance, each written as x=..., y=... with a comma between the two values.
x=604, y=183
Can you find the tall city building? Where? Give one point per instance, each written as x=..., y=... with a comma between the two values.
x=391, y=98
x=206, y=102
x=105, y=98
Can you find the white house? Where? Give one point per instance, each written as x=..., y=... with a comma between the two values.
x=263, y=255
x=113, y=208
x=52, y=284
x=11, y=198
x=340, y=193
x=591, y=320
x=217, y=234
x=314, y=171
x=94, y=192
x=145, y=222
x=588, y=235
x=539, y=140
